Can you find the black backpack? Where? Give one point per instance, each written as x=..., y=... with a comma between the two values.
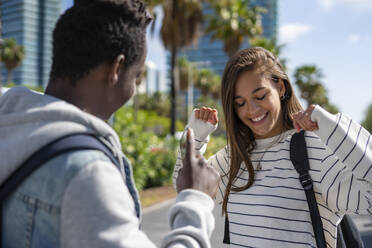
x=348, y=235
x=77, y=141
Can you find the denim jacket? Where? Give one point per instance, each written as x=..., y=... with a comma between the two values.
x=35, y=213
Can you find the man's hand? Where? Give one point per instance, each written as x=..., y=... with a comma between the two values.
x=195, y=173
x=302, y=120
x=207, y=115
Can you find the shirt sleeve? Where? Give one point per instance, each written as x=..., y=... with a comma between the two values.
x=346, y=167
x=98, y=211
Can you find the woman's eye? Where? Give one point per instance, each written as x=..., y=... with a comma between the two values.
x=239, y=104
x=261, y=98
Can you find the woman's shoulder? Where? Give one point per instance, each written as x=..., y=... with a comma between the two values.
x=314, y=142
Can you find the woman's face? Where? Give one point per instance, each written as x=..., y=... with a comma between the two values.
x=257, y=104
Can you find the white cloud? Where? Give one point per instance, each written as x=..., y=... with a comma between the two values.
x=353, y=38
x=326, y=4
x=357, y=4
x=292, y=31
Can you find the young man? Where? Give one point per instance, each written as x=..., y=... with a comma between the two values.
x=80, y=198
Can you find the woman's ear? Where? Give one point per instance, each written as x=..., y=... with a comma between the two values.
x=281, y=88
x=115, y=69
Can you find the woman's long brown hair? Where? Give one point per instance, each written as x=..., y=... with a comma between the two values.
x=240, y=138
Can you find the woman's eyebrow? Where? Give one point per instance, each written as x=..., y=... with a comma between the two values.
x=258, y=89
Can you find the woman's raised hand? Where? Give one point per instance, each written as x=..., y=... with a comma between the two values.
x=196, y=173
x=302, y=120
x=207, y=115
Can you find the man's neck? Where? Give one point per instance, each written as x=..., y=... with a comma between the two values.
x=84, y=99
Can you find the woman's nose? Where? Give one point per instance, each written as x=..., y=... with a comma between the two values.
x=252, y=108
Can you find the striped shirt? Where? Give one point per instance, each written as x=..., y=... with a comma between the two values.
x=274, y=212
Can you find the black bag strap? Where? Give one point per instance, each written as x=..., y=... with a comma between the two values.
x=77, y=141
x=299, y=158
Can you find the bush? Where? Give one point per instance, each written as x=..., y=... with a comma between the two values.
x=152, y=156
x=31, y=87
x=215, y=144
x=152, y=122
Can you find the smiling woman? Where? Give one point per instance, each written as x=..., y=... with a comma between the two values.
x=260, y=190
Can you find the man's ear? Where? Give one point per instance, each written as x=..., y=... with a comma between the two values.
x=115, y=69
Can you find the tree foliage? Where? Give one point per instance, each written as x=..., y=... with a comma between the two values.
x=209, y=83
x=367, y=122
x=152, y=154
x=233, y=21
x=187, y=72
x=12, y=55
x=308, y=78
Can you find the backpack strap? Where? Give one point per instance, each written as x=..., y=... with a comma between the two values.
x=298, y=155
x=77, y=141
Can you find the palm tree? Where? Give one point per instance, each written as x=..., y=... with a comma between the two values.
x=12, y=55
x=308, y=78
x=188, y=72
x=233, y=21
x=209, y=83
x=180, y=28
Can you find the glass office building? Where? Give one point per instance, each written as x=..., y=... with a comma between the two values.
x=31, y=23
x=212, y=53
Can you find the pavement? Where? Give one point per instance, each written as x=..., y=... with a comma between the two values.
x=155, y=225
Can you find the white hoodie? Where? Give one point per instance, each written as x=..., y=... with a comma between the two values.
x=30, y=120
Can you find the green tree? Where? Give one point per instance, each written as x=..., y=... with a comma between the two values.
x=308, y=78
x=209, y=83
x=157, y=102
x=232, y=21
x=12, y=55
x=187, y=72
x=367, y=123
x=270, y=45
x=180, y=28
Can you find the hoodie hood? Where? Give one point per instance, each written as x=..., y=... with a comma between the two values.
x=30, y=120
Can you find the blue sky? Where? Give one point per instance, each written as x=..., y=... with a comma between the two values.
x=335, y=35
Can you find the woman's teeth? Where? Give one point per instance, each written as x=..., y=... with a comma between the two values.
x=259, y=118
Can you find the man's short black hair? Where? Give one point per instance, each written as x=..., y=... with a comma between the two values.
x=93, y=32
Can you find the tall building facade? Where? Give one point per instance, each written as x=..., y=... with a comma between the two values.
x=212, y=53
x=31, y=23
